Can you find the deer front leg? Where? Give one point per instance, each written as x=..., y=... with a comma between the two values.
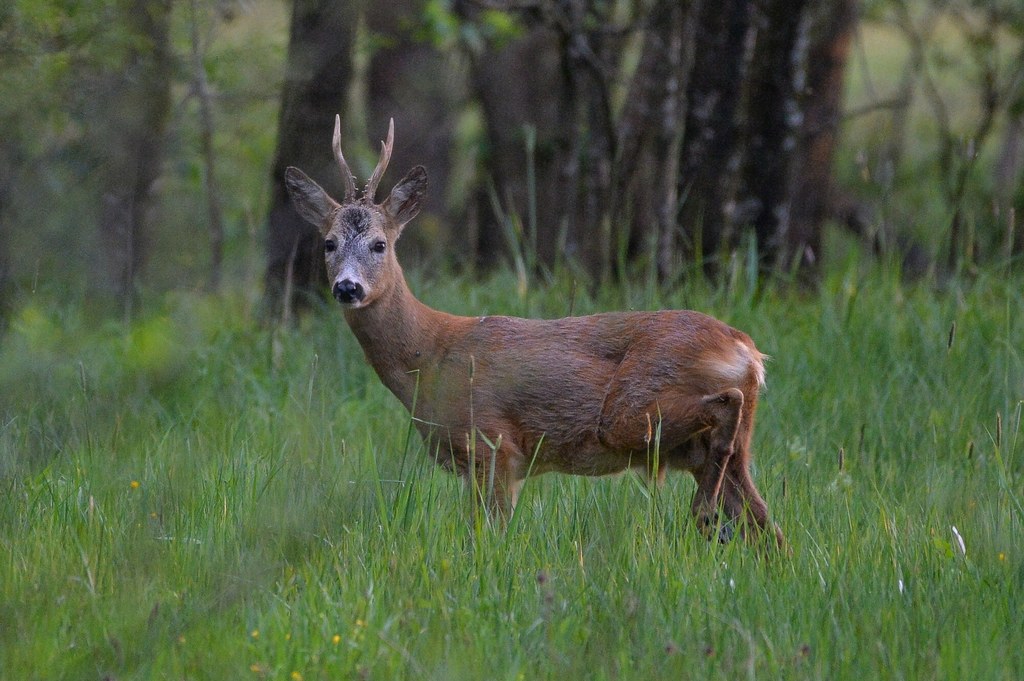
x=493, y=474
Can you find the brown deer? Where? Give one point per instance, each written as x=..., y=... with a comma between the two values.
x=504, y=398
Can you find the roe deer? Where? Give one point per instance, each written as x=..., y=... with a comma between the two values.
x=507, y=397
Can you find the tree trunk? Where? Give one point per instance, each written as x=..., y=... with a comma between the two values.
x=728, y=125
x=1007, y=184
x=773, y=122
x=712, y=148
x=546, y=98
x=519, y=85
x=412, y=81
x=589, y=59
x=317, y=78
x=132, y=122
x=649, y=133
x=5, y=239
x=831, y=33
x=201, y=90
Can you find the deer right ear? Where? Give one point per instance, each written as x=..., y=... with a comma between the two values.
x=403, y=204
x=309, y=198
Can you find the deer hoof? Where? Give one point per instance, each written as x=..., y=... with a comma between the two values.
x=712, y=527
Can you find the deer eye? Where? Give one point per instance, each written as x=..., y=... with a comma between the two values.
x=379, y=246
x=330, y=246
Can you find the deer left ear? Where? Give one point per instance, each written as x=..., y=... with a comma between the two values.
x=309, y=199
x=403, y=204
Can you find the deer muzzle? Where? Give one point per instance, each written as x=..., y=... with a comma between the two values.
x=348, y=292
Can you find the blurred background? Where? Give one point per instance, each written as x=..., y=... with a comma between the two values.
x=142, y=144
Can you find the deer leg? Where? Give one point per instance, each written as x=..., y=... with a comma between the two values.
x=724, y=412
x=498, y=494
x=493, y=474
x=710, y=437
x=672, y=422
x=697, y=434
x=656, y=476
x=742, y=502
x=744, y=506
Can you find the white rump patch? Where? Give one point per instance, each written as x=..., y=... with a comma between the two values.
x=735, y=367
x=757, y=363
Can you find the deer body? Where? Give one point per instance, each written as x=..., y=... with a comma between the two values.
x=502, y=398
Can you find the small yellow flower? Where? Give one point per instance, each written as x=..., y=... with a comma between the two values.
x=288, y=636
x=336, y=639
x=360, y=623
x=255, y=633
x=134, y=484
x=1002, y=556
x=296, y=676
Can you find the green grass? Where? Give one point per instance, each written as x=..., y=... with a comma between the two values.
x=194, y=497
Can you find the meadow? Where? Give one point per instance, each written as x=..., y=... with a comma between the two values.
x=196, y=495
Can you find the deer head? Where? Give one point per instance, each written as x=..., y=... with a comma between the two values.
x=359, y=234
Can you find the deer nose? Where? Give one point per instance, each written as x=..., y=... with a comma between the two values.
x=348, y=291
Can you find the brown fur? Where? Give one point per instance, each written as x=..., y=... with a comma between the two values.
x=506, y=397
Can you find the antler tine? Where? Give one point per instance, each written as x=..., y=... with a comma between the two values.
x=346, y=174
x=382, y=164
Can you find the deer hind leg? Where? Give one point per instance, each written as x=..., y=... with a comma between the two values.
x=697, y=434
x=723, y=411
x=740, y=498
x=745, y=508
x=708, y=436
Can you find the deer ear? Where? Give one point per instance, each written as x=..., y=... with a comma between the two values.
x=309, y=198
x=403, y=204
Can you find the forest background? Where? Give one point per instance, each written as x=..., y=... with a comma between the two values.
x=613, y=138
x=201, y=478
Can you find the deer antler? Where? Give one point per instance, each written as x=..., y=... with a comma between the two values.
x=346, y=174
x=382, y=164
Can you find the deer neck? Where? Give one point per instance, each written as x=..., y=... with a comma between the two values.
x=400, y=336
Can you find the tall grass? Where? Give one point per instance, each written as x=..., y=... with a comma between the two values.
x=193, y=497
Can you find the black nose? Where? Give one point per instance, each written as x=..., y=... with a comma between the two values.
x=348, y=291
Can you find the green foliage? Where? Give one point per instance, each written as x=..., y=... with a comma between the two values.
x=59, y=66
x=193, y=497
x=443, y=27
x=922, y=79
x=440, y=25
